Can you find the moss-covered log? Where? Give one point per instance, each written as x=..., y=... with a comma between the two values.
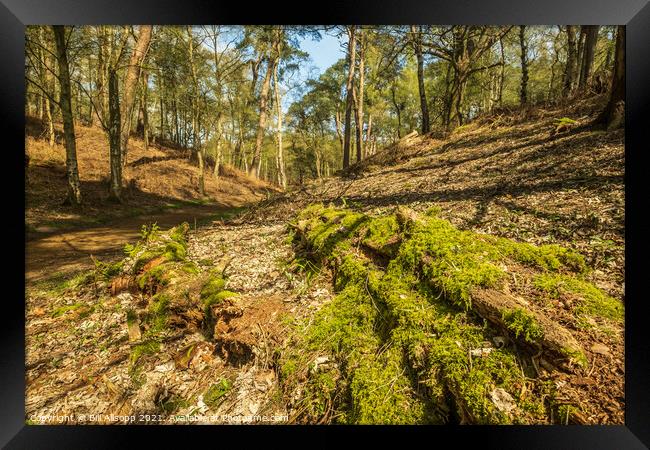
x=426, y=286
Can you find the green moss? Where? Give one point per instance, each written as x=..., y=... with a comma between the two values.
x=382, y=394
x=146, y=257
x=149, y=347
x=217, y=298
x=454, y=262
x=175, y=251
x=190, y=268
x=212, y=287
x=156, y=316
x=390, y=329
x=173, y=403
x=438, y=338
x=215, y=393
x=159, y=275
x=179, y=233
x=61, y=310
x=592, y=301
x=382, y=235
x=521, y=323
x=546, y=257
x=329, y=228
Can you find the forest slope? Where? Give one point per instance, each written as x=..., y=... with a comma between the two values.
x=245, y=317
x=157, y=178
x=526, y=174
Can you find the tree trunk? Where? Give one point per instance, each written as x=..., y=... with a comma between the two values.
x=398, y=112
x=74, y=190
x=424, y=108
x=337, y=123
x=145, y=112
x=217, y=153
x=196, y=142
x=358, y=122
x=581, y=48
x=571, y=65
x=162, y=120
x=457, y=92
x=280, y=157
x=502, y=72
x=46, y=105
x=114, y=128
x=523, y=94
x=614, y=113
x=130, y=84
x=264, y=98
x=348, y=96
x=368, y=136
x=359, y=100
x=591, y=38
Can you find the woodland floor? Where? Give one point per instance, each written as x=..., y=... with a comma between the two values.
x=508, y=175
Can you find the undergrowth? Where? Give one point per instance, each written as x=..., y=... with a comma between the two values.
x=395, y=345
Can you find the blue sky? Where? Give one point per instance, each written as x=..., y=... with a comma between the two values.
x=323, y=53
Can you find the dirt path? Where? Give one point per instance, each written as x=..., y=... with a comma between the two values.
x=78, y=363
x=70, y=250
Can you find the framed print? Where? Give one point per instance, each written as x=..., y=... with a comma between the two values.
x=413, y=218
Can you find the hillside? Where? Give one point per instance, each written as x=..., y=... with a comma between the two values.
x=156, y=179
x=470, y=278
x=509, y=174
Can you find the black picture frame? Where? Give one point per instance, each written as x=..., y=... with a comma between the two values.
x=635, y=14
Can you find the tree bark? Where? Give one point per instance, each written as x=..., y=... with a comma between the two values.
x=280, y=158
x=398, y=112
x=145, y=112
x=369, y=136
x=581, y=48
x=591, y=38
x=46, y=105
x=217, y=153
x=571, y=65
x=337, y=123
x=130, y=84
x=65, y=101
x=614, y=112
x=196, y=144
x=359, y=102
x=348, y=96
x=523, y=93
x=264, y=99
x=114, y=128
x=416, y=42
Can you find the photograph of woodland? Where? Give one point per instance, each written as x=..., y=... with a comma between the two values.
x=346, y=224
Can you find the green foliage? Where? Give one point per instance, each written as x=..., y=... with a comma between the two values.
x=216, y=392
x=212, y=287
x=413, y=317
x=149, y=347
x=381, y=235
x=172, y=404
x=149, y=232
x=175, y=251
x=381, y=394
x=61, y=310
x=592, y=301
x=159, y=275
x=521, y=323
x=564, y=121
